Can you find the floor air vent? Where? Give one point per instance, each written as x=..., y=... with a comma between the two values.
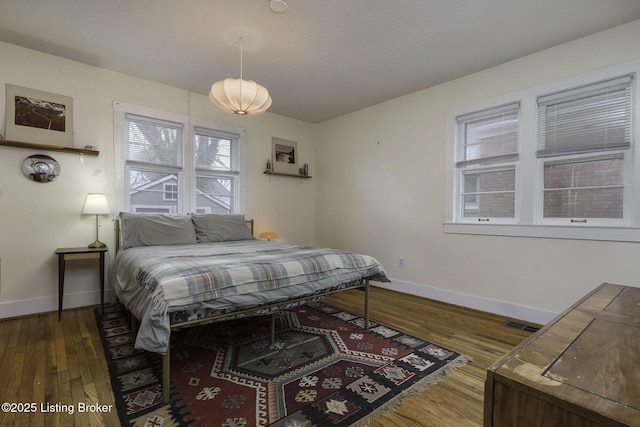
x=522, y=326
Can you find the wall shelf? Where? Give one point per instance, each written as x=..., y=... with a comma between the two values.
x=32, y=146
x=287, y=174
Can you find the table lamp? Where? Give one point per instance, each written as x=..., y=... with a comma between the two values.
x=96, y=204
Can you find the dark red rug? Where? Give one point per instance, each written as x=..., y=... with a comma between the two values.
x=322, y=370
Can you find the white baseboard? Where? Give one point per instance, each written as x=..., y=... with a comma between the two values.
x=47, y=304
x=514, y=311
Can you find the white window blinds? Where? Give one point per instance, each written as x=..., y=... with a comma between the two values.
x=215, y=150
x=590, y=118
x=153, y=141
x=488, y=136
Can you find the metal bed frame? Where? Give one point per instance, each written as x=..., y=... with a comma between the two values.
x=166, y=358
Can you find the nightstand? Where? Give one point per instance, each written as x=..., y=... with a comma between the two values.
x=72, y=254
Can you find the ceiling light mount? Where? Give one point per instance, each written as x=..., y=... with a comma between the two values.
x=278, y=6
x=238, y=96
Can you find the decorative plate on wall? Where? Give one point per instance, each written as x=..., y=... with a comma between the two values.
x=40, y=168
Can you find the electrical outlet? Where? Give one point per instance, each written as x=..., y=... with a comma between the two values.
x=401, y=262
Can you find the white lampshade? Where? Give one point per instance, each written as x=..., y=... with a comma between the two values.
x=238, y=96
x=96, y=204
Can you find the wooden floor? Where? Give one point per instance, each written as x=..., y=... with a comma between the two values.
x=55, y=367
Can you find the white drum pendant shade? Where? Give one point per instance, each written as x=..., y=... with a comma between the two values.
x=238, y=96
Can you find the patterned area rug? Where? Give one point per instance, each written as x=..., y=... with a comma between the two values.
x=323, y=369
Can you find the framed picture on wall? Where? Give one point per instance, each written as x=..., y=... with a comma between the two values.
x=284, y=156
x=38, y=117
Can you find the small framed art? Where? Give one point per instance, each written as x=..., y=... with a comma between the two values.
x=284, y=156
x=39, y=117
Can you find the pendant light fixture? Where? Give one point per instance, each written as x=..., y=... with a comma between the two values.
x=238, y=96
x=278, y=6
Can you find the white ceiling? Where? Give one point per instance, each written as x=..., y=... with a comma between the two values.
x=320, y=58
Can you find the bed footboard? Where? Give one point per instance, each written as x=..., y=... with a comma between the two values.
x=166, y=358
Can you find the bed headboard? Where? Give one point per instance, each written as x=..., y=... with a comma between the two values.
x=118, y=231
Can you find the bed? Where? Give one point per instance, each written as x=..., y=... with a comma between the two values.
x=178, y=271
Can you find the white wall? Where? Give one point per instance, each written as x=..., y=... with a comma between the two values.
x=378, y=188
x=381, y=183
x=36, y=218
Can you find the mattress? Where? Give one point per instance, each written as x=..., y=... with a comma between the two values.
x=164, y=286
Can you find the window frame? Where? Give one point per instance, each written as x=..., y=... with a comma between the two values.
x=187, y=193
x=625, y=221
x=233, y=173
x=529, y=194
x=486, y=164
x=495, y=167
x=170, y=194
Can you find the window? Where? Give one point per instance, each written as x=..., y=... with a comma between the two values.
x=584, y=189
x=174, y=164
x=170, y=192
x=551, y=161
x=488, y=151
x=153, y=163
x=593, y=119
x=488, y=193
x=216, y=164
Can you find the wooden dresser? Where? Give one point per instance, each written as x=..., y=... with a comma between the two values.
x=581, y=369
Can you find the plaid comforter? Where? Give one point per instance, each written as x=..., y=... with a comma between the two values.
x=178, y=276
x=152, y=281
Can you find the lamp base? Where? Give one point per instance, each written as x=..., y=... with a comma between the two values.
x=97, y=244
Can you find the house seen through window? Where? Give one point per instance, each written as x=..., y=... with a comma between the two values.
x=169, y=168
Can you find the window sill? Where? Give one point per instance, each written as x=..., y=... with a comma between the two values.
x=612, y=234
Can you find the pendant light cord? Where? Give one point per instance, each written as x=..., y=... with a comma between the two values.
x=240, y=57
x=241, y=106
